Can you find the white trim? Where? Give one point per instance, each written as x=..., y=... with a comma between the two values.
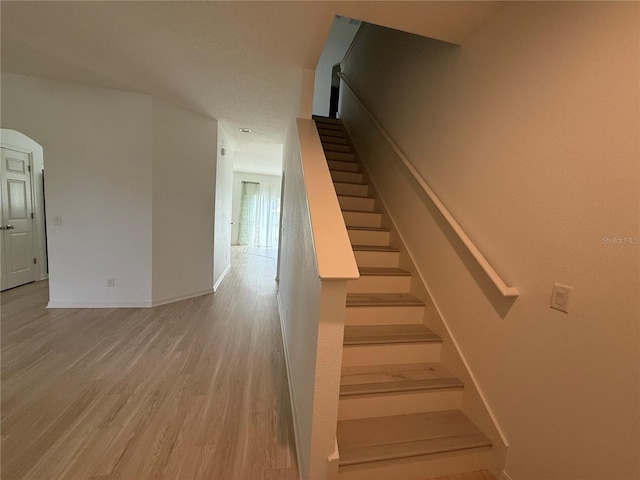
x=44, y=276
x=292, y=398
x=221, y=277
x=177, y=298
x=334, y=462
x=10, y=146
x=505, y=476
x=130, y=304
x=96, y=304
x=332, y=247
x=502, y=287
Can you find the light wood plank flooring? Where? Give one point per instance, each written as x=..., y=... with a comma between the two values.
x=196, y=389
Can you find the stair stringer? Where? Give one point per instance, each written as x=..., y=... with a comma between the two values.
x=474, y=403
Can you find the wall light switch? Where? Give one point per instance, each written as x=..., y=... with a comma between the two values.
x=560, y=297
x=57, y=220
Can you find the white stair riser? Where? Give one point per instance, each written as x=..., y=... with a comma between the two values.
x=361, y=219
x=390, y=354
x=369, y=237
x=380, y=284
x=320, y=120
x=351, y=189
x=398, y=403
x=348, y=177
x=325, y=132
x=356, y=203
x=329, y=125
x=330, y=139
x=418, y=468
x=340, y=156
x=336, y=147
x=384, y=315
x=377, y=259
x=343, y=166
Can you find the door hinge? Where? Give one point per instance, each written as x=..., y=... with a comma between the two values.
x=32, y=215
x=29, y=167
x=35, y=261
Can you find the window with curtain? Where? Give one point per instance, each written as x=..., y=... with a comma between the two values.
x=259, y=215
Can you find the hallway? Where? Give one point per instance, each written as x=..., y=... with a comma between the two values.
x=195, y=389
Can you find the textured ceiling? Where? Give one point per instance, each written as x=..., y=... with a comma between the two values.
x=238, y=62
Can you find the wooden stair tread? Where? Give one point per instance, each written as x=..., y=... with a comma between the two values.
x=346, y=160
x=343, y=169
x=366, y=229
x=328, y=141
x=388, y=334
x=383, y=271
x=373, y=248
x=370, y=379
x=383, y=300
x=359, y=211
x=475, y=475
x=334, y=139
x=351, y=196
x=348, y=183
x=405, y=436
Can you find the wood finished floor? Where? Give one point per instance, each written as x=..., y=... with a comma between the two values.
x=191, y=390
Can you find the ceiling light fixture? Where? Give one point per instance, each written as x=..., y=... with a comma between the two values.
x=245, y=130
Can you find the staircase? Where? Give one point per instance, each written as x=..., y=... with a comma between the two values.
x=399, y=412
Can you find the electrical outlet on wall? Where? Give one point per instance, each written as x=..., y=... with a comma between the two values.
x=111, y=282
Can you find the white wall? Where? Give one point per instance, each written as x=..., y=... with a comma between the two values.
x=97, y=148
x=238, y=178
x=133, y=181
x=339, y=39
x=529, y=133
x=184, y=169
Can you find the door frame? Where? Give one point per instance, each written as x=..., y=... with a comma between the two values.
x=34, y=230
x=19, y=142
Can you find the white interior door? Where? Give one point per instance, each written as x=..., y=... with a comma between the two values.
x=16, y=227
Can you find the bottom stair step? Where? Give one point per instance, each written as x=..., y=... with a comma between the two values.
x=477, y=475
x=404, y=436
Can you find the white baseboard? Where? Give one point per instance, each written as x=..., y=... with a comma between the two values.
x=130, y=304
x=292, y=398
x=221, y=277
x=44, y=276
x=96, y=304
x=505, y=476
x=177, y=298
